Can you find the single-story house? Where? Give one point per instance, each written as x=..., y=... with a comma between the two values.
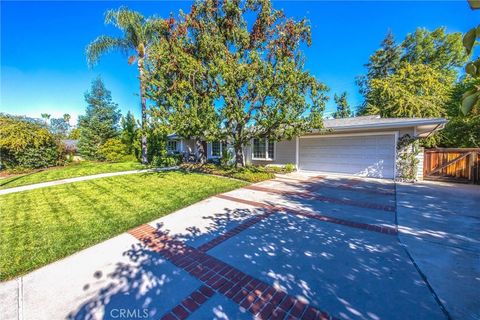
x=362, y=146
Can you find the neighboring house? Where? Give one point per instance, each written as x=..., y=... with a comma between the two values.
x=363, y=146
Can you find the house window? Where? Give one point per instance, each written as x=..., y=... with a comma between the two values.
x=216, y=149
x=172, y=145
x=263, y=149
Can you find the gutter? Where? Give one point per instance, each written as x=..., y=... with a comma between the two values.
x=391, y=125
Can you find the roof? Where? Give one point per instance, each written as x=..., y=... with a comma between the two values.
x=70, y=143
x=372, y=122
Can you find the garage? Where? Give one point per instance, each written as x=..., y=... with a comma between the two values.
x=362, y=155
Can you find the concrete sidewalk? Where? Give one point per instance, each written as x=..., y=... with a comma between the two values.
x=77, y=179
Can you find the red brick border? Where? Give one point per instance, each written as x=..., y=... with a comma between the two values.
x=190, y=304
x=254, y=295
x=233, y=232
x=311, y=195
x=308, y=214
x=344, y=186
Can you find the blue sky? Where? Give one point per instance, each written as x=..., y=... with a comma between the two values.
x=43, y=66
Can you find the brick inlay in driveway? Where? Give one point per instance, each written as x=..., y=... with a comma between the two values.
x=254, y=295
x=348, y=223
x=313, y=196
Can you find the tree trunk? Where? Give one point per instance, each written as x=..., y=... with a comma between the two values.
x=143, y=102
x=201, y=151
x=238, y=156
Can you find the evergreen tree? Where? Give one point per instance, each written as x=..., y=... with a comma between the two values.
x=100, y=122
x=129, y=134
x=343, y=109
x=381, y=64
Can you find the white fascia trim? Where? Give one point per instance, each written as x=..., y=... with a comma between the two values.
x=403, y=124
x=349, y=134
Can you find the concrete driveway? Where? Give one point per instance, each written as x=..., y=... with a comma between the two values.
x=302, y=245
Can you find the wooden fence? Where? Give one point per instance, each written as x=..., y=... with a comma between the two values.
x=458, y=165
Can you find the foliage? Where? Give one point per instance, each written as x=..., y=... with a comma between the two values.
x=437, y=49
x=74, y=134
x=27, y=143
x=60, y=127
x=71, y=170
x=381, y=64
x=461, y=131
x=130, y=135
x=471, y=98
x=67, y=218
x=248, y=173
x=226, y=158
x=289, y=167
x=100, y=122
x=430, y=59
x=113, y=150
x=343, y=109
x=407, y=163
x=414, y=90
x=138, y=35
x=165, y=161
x=251, y=78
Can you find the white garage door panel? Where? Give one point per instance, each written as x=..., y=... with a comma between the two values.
x=371, y=156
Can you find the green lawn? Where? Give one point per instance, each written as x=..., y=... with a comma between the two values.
x=40, y=226
x=70, y=171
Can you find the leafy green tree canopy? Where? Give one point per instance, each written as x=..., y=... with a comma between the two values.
x=100, y=122
x=437, y=49
x=343, y=108
x=253, y=74
x=414, y=90
x=129, y=134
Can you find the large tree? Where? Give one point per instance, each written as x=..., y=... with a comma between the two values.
x=259, y=87
x=414, y=90
x=129, y=134
x=138, y=35
x=100, y=121
x=437, y=53
x=343, y=108
x=437, y=49
x=383, y=62
x=182, y=83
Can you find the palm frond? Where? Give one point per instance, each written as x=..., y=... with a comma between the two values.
x=129, y=21
x=104, y=44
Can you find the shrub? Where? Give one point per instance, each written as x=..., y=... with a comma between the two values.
x=168, y=161
x=289, y=167
x=227, y=159
x=27, y=143
x=113, y=150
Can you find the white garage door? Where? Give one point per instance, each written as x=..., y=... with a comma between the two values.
x=369, y=156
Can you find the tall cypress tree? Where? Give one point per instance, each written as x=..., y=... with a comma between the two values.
x=343, y=109
x=381, y=64
x=100, y=122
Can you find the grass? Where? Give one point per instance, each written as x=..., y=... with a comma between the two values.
x=43, y=225
x=250, y=174
x=70, y=171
